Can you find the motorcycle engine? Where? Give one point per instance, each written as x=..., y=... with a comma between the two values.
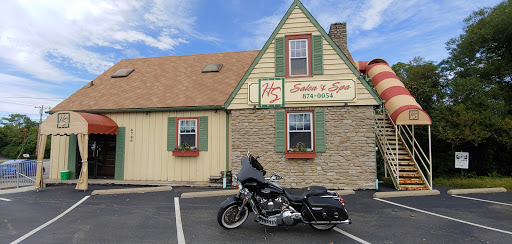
x=271, y=204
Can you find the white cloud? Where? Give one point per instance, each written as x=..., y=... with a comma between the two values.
x=372, y=14
x=21, y=95
x=40, y=37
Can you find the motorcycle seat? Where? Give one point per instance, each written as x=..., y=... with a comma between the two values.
x=306, y=192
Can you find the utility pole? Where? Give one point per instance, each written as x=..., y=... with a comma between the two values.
x=41, y=109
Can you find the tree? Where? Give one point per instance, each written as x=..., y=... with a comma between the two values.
x=12, y=135
x=480, y=90
x=476, y=114
x=18, y=121
x=423, y=80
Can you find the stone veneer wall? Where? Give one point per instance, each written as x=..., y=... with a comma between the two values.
x=348, y=163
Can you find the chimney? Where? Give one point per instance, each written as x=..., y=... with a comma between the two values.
x=338, y=33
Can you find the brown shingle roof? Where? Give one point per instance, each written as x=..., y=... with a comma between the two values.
x=163, y=82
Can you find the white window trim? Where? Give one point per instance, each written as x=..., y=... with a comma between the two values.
x=290, y=57
x=187, y=133
x=312, y=129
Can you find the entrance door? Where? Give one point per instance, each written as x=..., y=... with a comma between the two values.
x=101, y=158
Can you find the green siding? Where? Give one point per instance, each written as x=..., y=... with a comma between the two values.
x=320, y=145
x=280, y=131
x=203, y=133
x=120, y=149
x=318, y=55
x=280, y=56
x=171, y=133
x=72, y=156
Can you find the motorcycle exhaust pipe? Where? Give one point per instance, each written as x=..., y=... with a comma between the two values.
x=348, y=221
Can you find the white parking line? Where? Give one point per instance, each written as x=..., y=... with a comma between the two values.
x=179, y=228
x=49, y=222
x=5, y=199
x=446, y=217
x=483, y=200
x=351, y=236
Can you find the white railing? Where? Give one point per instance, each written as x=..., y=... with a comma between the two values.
x=417, y=152
x=390, y=153
x=16, y=174
x=390, y=158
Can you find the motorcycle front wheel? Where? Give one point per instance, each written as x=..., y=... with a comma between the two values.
x=322, y=227
x=227, y=216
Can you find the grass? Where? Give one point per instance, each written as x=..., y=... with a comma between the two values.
x=476, y=182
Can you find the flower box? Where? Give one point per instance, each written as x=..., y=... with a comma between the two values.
x=300, y=154
x=185, y=153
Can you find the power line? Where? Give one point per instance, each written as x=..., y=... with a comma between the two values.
x=17, y=103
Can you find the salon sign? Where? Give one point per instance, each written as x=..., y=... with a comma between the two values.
x=275, y=92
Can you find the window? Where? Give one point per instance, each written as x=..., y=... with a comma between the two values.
x=187, y=132
x=298, y=57
x=300, y=129
x=298, y=49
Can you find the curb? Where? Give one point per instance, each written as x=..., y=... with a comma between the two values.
x=346, y=192
x=131, y=190
x=21, y=189
x=405, y=193
x=234, y=192
x=477, y=190
x=209, y=193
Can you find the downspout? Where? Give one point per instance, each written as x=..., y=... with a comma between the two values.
x=224, y=180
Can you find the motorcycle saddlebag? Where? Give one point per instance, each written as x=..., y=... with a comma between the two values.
x=323, y=209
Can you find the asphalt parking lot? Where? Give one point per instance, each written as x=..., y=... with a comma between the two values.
x=37, y=217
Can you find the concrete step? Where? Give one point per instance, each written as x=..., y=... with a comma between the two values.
x=413, y=188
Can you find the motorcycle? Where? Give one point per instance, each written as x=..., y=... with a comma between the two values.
x=274, y=205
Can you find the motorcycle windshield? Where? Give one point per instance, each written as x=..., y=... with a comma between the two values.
x=249, y=173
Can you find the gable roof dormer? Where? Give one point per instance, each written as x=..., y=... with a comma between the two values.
x=268, y=64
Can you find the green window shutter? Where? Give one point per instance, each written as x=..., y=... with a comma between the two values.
x=120, y=149
x=72, y=156
x=280, y=53
x=320, y=145
x=203, y=133
x=280, y=131
x=318, y=55
x=171, y=133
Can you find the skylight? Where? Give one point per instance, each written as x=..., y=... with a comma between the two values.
x=122, y=73
x=209, y=68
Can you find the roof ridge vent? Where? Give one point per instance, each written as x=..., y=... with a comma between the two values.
x=210, y=68
x=122, y=73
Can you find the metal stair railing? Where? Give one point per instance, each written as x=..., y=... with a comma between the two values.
x=417, y=152
x=391, y=159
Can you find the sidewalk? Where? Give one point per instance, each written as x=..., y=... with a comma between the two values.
x=136, y=183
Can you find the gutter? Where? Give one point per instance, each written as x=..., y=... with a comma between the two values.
x=126, y=110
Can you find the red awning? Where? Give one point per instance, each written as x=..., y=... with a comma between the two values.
x=69, y=122
x=100, y=124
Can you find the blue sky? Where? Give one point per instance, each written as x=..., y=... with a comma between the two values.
x=50, y=49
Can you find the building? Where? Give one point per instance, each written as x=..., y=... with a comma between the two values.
x=301, y=103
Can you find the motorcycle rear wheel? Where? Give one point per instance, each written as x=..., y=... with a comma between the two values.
x=322, y=227
x=226, y=216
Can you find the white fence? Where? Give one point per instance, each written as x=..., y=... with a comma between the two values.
x=14, y=174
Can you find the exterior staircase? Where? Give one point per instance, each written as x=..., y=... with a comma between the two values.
x=398, y=157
